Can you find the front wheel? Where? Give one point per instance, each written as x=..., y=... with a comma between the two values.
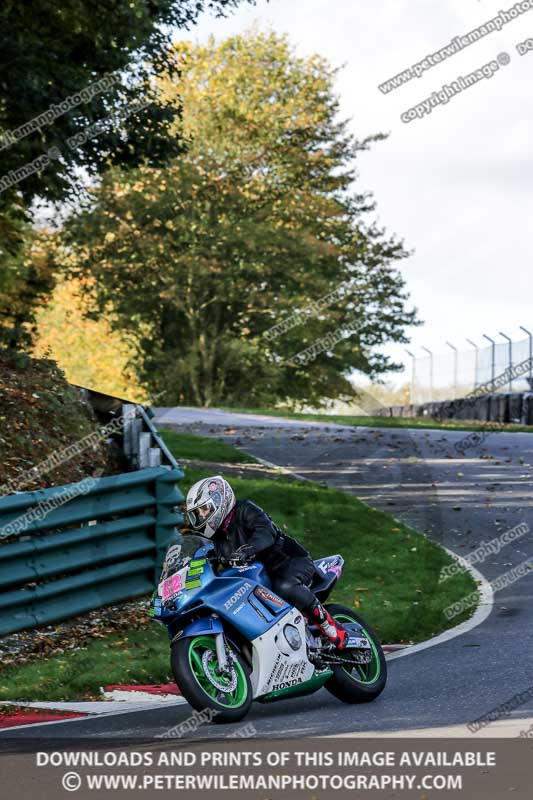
x=360, y=683
x=195, y=667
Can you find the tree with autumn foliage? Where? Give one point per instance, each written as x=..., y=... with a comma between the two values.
x=256, y=220
x=89, y=351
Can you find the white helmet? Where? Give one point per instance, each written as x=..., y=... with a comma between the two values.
x=209, y=502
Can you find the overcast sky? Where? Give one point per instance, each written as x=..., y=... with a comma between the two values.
x=453, y=185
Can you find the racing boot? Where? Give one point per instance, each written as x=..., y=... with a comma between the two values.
x=327, y=625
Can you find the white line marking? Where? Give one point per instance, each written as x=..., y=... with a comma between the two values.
x=480, y=615
x=132, y=696
x=283, y=470
x=130, y=703
x=93, y=709
x=482, y=612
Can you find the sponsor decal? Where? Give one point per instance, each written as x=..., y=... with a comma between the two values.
x=285, y=685
x=280, y=672
x=173, y=555
x=239, y=608
x=237, y=595
x=155, y=607
x=356, y=641
x=333, y=565
x=194, y=571
x=295, y=670
x=273, y=670
x=263, y=593
x=284, y=675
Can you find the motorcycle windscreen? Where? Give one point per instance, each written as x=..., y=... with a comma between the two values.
x=181, y=568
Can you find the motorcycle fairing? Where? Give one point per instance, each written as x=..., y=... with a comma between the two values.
x=256, y=570
x=229, y=594
x=275, y=664
x=198, y=627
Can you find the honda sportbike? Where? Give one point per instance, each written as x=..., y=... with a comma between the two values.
x=233, y=640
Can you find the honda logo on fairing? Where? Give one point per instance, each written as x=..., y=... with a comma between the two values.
x=286, y=685
x=237, y=596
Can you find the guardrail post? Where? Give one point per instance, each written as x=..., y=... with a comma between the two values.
x=128, y=418
x=168, y=516
x=144, y=449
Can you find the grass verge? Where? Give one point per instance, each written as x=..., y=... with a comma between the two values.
x=391, y=577
x=388, y=422
x=187, y=445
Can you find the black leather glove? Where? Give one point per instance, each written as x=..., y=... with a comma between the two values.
x=243, y=554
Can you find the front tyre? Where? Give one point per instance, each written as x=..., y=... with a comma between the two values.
x=195, y=668
x=360, y=683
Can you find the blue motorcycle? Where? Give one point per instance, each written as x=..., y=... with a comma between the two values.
x=233, y=640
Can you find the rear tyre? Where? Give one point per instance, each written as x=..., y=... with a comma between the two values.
x=194, y=665
x=361, y=683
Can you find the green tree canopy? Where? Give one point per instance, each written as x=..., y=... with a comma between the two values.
x=49, y=53
x=258, y=219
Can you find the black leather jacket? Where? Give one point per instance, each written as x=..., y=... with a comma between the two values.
x=252, y=533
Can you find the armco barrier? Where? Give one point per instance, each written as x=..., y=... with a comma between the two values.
x=527, y=409
x=143, y=446
x=103, y=545
x=515, y=407
x=496, y=407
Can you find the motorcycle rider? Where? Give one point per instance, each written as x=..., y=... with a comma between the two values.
x=241, y=531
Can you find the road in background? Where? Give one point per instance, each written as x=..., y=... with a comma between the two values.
x=458, y=500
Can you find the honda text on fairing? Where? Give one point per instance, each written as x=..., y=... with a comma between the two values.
x=233, y=640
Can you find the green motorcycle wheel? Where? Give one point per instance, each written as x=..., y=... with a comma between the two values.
x=360, y=683
x=195, y=666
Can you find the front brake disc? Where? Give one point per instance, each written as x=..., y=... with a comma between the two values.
x=208, y=663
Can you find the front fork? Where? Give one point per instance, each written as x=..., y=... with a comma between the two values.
x=222, y=656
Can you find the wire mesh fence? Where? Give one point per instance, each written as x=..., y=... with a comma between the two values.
x=457, y=373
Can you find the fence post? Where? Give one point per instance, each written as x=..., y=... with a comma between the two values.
x=493, y=359
x=431, y=398
x=128, y=419
x=474, y=345
x=168, y=516
x=413, y=375
x=530, y=381
x=510, y=359
x=454, y=369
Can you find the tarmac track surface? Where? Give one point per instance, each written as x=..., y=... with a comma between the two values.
x=458, y=498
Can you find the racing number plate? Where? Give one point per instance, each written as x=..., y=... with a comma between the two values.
x=186, y=578
x=174, y=585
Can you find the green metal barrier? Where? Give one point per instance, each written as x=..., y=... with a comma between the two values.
x=104, y=544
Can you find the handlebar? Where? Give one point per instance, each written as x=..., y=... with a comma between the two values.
x=233, y=562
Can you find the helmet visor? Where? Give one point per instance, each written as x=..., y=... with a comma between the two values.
x=200, y=514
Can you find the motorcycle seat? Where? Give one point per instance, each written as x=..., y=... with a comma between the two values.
x=326, y=575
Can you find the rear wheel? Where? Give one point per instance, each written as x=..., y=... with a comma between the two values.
x=357, y=683
x=196, y=671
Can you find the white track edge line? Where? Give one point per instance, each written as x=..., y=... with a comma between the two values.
x=283, y=470
x=480, y=615
x=88, y=715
